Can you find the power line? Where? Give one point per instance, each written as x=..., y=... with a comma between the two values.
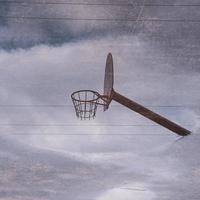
x=95, y=134
x=69, y=3
x=139, y=16
x=98, y=4
x=84, y=125
x=102, y=19
x=63, y=106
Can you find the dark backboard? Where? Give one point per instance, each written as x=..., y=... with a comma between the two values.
x=108, y=80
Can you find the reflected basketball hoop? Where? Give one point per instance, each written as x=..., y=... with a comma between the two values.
x=86, y=102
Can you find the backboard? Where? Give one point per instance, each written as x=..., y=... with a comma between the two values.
x=86, y=102
x=108, y=81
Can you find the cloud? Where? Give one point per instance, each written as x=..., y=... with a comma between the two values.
x=32, y=173
x=182, y=178
x=44, y=163
x=33, y=32
x=45, y=75
x=128, y=194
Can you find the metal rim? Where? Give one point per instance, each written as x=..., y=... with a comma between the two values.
x=98, y=96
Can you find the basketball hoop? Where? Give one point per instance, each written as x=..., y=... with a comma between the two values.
x=86, y=102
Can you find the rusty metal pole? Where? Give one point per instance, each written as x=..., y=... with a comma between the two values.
x=150, y=114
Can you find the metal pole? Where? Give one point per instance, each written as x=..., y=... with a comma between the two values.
x=150, y=114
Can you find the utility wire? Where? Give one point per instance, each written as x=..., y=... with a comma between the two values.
x=139, y=16
x=96, y=134
x=93, y=134
x=102, y=19
x=96, y=4
x=63, y=106
x=84, y=125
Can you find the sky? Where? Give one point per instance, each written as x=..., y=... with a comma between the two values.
x=46, y=153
